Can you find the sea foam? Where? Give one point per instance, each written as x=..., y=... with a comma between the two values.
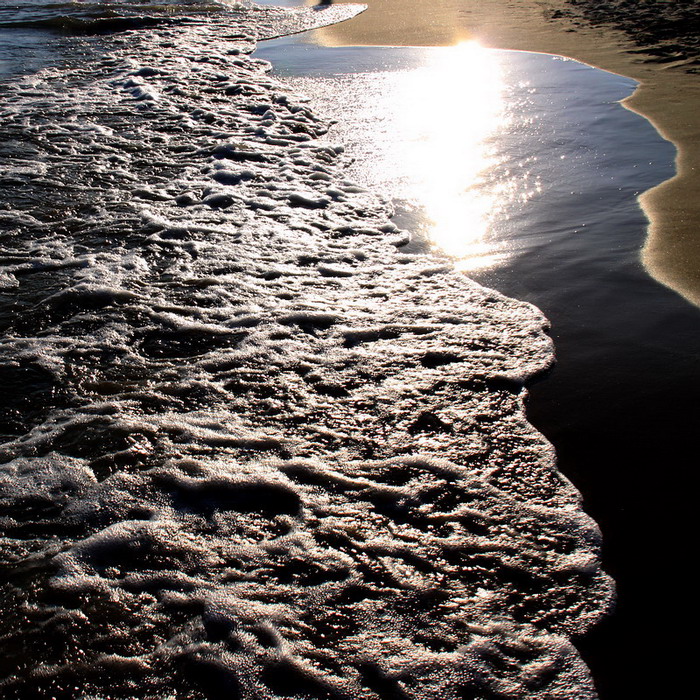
x=252, y=449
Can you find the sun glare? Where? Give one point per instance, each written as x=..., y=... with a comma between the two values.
x=425, y=131
x=447, y=133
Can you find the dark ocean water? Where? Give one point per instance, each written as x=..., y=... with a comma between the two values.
x=22, y=51
x=620, y=406
x=255, y=443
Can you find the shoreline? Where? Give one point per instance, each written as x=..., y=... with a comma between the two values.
x=667, y=96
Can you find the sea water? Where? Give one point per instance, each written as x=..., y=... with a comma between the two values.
x=253, y=444
x=523, y=151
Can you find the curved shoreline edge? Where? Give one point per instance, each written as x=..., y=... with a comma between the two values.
x=667, y=96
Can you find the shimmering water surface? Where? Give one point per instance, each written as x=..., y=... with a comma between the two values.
x=487, y=155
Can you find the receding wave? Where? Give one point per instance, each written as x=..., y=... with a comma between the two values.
x=250, y=447
x=92, y=25
x=102, y=18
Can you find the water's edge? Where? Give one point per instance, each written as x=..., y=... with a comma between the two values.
x=249, y=446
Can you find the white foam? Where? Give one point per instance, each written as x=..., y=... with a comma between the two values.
x=269, y=455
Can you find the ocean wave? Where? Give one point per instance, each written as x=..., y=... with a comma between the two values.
x=250, y=447
x=106, y=17
x=18, y=12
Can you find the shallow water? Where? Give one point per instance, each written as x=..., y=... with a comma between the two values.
x=490, y=156
x=620, y=405
x=252, y=445
x=22, y=51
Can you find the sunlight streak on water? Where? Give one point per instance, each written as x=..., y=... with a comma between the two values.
x=448, y=165
x=426, y=127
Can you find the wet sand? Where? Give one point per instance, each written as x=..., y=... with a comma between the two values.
x=668, y=95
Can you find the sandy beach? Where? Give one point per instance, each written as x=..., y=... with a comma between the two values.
x=651, y=46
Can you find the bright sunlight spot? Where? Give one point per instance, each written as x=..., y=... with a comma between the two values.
x=447, y=134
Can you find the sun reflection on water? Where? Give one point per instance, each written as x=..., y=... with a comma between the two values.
x=428, y=127
x=449, y=111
